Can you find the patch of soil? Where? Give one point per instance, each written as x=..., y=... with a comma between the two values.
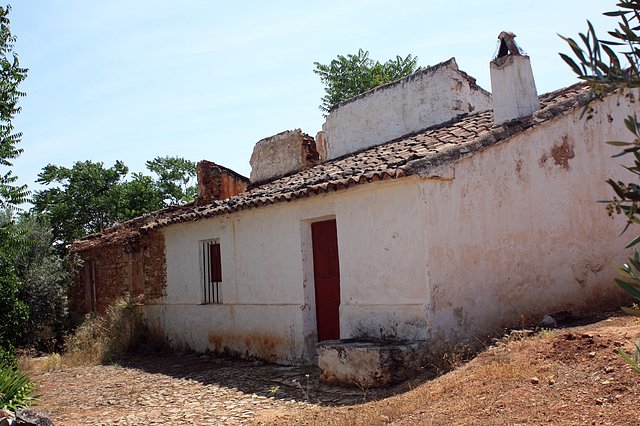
x=566, y=376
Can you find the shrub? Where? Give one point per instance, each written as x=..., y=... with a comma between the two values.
x=16, y=390
x=45, y=277
x=101, y=338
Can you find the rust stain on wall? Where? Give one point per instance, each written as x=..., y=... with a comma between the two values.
x=264, y=345
x=216, y=341
x=561, y=154
x=259, y=345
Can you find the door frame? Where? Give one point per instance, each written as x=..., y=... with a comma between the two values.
x=310, y=326
x=327, y=286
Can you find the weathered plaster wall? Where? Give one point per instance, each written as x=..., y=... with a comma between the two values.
x=281, y=154
x=413, y=103
x=519, y=232
x=505, y=235
x=268, y=308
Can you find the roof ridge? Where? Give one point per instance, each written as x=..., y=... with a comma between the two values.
x=416, y=153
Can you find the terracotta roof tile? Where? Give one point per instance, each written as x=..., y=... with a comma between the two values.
x=408, y=155
x=401, y=157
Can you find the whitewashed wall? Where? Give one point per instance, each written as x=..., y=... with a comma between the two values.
x=511, y=233
x=268, y=307
x=519, y=232
x=413, y=103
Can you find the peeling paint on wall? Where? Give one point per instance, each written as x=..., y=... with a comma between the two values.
x=560, y=153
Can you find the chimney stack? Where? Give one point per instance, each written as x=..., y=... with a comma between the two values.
x=513, y=88
x=278, y=155
x=216, y=182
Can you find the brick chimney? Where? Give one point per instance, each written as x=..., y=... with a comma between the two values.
x=216, y=182
x=513, y=88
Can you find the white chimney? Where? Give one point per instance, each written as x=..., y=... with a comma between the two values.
x=513, y=88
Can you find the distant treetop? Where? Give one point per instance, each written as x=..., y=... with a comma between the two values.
x=351, y=75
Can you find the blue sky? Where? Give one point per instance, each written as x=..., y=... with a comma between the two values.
x=132, y=80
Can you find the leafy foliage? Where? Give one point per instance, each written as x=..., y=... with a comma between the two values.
x=16, y=390
x=84, y=199
x=88, y=197
x=175, y=178
x=46, y=276
x=608, y=65
x=12, y=311
x=11, y=75
x=138, y=196
x=351, y=75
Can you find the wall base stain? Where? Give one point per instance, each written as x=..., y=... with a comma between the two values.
x=253, y=345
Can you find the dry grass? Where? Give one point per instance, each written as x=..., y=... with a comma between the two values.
x=101, y=338
x=569, y=376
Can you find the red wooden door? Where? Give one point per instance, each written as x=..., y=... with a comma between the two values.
x=326, y=273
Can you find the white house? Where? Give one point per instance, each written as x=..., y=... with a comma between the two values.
x=422, y=218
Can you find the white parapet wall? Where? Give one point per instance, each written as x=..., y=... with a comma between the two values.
x=519, y=231
x=420, y=100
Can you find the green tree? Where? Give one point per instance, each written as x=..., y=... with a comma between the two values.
x=176, y=178
x=88, y=197
x=83, y=199
x=351, y=75
x=45, y=278
x=606, y=66
x=13, y=312
x=138, y=196
x=11, y=75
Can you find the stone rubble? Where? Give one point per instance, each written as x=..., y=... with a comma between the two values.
x=24, y=417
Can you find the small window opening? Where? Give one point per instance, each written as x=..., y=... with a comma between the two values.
x=212, y=268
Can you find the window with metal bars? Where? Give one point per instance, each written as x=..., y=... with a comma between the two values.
x=212, y=272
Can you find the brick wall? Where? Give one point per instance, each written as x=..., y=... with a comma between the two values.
x=135, y=266
x=216, y=182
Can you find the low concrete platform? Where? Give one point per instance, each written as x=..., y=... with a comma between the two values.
x=370, y=363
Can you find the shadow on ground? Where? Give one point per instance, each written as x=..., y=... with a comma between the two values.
x=300, y=383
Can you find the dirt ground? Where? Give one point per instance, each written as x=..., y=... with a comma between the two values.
x=568, y=376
